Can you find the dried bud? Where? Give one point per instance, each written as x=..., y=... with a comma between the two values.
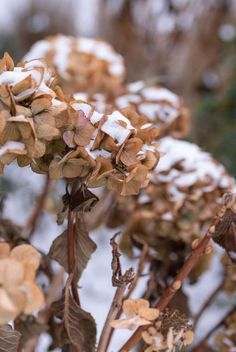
x=195, y=243
x=176, y=285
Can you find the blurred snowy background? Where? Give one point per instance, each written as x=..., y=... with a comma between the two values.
x=189, y=46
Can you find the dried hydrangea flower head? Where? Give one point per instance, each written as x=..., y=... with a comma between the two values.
x=181, y=198
x=138, y=313
x=226, y=337
x=18, y=292
x=115, y=150
x=81, y=64
x=171, y=332
x=30, y=111
x=162, y=107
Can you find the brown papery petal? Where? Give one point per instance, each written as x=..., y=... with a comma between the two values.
x=130, y=150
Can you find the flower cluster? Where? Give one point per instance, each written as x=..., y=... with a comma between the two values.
x=162, y=107
x=81, y=64
x=226, y=338
x=170, y=333
x=137, y=313
x=30, y=111
x=18, y=292
x=181, y=198
x=70, y=139
x=115, y=150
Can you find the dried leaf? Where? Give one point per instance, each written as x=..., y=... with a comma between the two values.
x=79, y=325
x=84, y=249
x=9, y=339
x=225, y=234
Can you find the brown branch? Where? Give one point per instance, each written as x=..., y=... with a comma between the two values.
x=115, y=306
x=71, y=254
x=209, y=300
x=32, y=222
x=177, y=282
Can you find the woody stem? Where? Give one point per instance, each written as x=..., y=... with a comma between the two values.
x=71, y=254
x=115, y=306
x=175, y=285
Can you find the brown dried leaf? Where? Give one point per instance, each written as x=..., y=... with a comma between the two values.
x=84, y=249
x=79, y=325
x=9, y=339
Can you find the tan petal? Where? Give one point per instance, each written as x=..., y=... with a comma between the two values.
x=129, y=307
x=4, y=250
x=34, y=297
x=134, y=181
x=17, y=297
x=148, y=313
x=8, y=310
x=189, y=337
x=9, y=62
x=130, y=151
x=141, y=303
x=121, y=324
x=22, y=86
x=11, y=272
x=40, y=104
x=26, y=254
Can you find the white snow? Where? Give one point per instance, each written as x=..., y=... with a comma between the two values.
x=80, y=96
x=96, y=117
x=63, y=46
x=114, y=129
x=197, y=165
x=86, y=108
x=159, y=94
x=7, y=147
x=125, y=100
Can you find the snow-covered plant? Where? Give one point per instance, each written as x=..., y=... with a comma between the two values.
x=104, y=135
x=81, y=64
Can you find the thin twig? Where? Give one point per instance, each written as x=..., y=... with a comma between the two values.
x=199, y=346
x=209, y=300
x=115, y=306
x=71, y=254
x=177, y=282
x=132, y=286
x=32, y=222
